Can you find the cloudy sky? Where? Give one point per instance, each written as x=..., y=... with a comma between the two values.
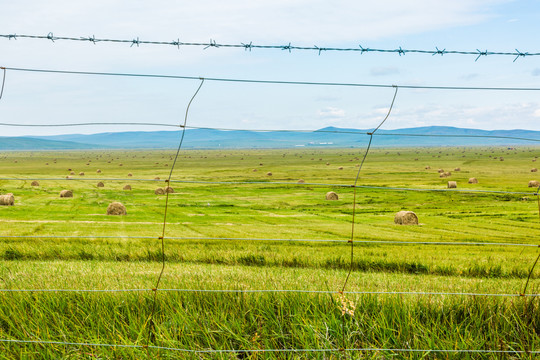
x=494, y=25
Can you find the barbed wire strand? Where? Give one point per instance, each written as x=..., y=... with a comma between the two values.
x=342, y=242
x=150, y=320
x=289, y=47
x=282, y=82
x=203, y=351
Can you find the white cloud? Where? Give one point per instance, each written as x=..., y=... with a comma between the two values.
x=331, y=113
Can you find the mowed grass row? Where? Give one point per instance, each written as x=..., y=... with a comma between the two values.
x=105, y=257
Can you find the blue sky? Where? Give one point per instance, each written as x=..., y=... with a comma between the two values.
x=423, y=24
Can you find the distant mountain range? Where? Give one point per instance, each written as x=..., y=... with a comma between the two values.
x=237, y=139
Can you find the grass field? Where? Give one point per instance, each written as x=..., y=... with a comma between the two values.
x=230, y=227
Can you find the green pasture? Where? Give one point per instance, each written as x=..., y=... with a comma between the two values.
x=230, y=225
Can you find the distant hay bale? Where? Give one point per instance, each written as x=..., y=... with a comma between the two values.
x=68, y=177
x=254, y=170
x=501, y=158
x=159, y=191
x=406, y=218
x=473, y=180
x=98, y=171
x=168, y=190
x=7, y=199
x=534, y=170
x=72, y=173
x=534, y=183
x=440, y=171
x=327, y=163
x=116, y=208
x=81, y=173
x=533, y=160
x=130, y=174
x=427, y=167
x=452, y=184
x=100, y=184
x=127, y=187
x=340, y=168
x=301, y=181
x=35, y=183
x=332, y=196
x=66, y=193
x=157, y=178
x=269, y=173
x=120, y=164
x=457, y=169
x=445, y=174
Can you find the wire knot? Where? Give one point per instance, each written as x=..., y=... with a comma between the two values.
x=248, y=46
x=50, y=36
x=320, y=49
x=135, y=42
x=12, y=36
x=519, y=53
x=400, y=51
x=437, y=52
x=363, y=50
x=481, y=53
x=90, y=38
x=177, y=43
x=212, y=43
x=286, y=47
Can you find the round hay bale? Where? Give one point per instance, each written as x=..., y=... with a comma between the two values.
x=116, y=208
x=120, y=164
x=168, y=190
x=72, y=173
x=406, y=218
x=340, y=168
x=130, y=174
x=301, y=181
x=254, y=170
x=427, y=167
x=332, y=196
x=440, y=171
x=533, y=160
x=127, y=187
x=452, y=184
x=66, y=194
x=100, y=184
x=534, y=183
x=159, y=191
x=457, y=169
x=81, y=173
x=7, y=199
x=98, y=171
x=157, y=178
x=269, y=173
x=68, y=177
x=501, y=158
x=327, y=163
x=35, y=183
x=473, y=180
x=534, y=170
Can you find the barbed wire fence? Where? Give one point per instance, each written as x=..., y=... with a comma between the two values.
x=149, y=325
x=249, y=46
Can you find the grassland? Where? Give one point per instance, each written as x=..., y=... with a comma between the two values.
x=222, y=225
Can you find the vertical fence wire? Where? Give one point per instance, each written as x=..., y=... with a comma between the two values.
x=150, y=321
